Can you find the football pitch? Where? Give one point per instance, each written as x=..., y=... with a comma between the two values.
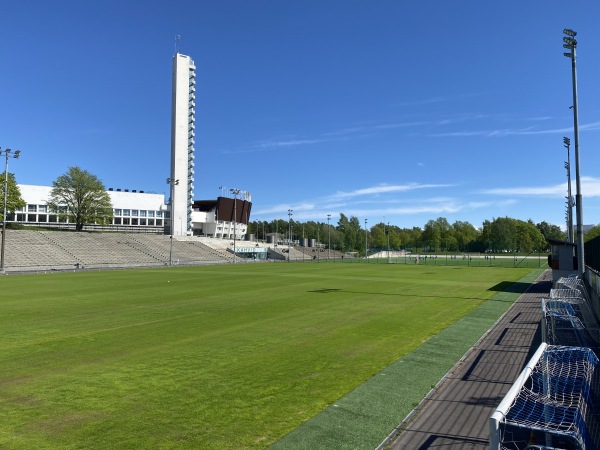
x=232, y=356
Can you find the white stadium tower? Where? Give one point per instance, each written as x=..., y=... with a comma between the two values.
x=182, y=144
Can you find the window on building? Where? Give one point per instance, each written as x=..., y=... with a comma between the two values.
x=20, y=217
x=126, y=212
x=142, y=213
x=159, y=222
x=42, y=218
x=159, y=213
x=52, y=218
x=117, y=221
x=150, y=213
x=43, y=208
x=143, y=222
x=151, y=222
x=31, y=208
x=126, y=221
x=134, y=212
x=118, y=212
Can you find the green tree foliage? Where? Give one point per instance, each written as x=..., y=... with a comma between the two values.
x=351, y=231
x=80, y=197
x=14, y=201
x=465, y=236
x=498, y=235
x=592, y=233
x=551, y=231
x=513, y=235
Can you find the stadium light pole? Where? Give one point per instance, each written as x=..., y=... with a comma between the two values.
x=235, y=193
x=172, y=182
x=328, y=237
x=388, y=240
x=571, y=43
x=7, y=154
x=366, y=243
x=290, y=235
x=567, y=143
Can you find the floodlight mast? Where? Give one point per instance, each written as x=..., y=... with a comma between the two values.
x=571, y=43
x=328, y=238
x=567, y=145
x=366, y=242
x=7, y=154
x=235, y=193
x=172, y=182
x=290, y=231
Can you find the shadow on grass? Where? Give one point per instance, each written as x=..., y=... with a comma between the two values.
x=325, y=291
x=510, y=286
x=343, y=291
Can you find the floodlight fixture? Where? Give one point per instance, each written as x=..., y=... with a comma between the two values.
x=569, y=32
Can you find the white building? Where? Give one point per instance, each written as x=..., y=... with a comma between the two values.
x=182, y=144
x=142, y=212
x=133, y=210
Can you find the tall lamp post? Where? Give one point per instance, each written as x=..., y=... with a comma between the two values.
x=571, y=43
x=366, y=243
x=7, y=154
x=235, y=192
x=388, y=240
x=172, y=182
x=290, y=235
x=328, y=238
x=570, y=202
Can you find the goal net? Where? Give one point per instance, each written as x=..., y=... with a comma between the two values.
x=553, y=403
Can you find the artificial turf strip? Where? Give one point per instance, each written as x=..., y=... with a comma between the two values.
x=368, y=414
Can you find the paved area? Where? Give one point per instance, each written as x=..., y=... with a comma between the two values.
x=456, y=415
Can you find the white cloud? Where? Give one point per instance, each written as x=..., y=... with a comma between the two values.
x=590, y=187
x=385, y=189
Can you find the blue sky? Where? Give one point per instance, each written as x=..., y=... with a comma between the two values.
x=390, y=111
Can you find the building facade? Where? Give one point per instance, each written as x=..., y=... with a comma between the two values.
x=134, y=211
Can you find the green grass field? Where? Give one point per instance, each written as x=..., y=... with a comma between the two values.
x=210, y=357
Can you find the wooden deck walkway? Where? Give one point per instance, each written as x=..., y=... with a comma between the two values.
x=456, y=415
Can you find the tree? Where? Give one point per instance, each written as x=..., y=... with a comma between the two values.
x=14, y=201
x=465, y=235
x=350, y=229
x=592, y=233
x=80, y=197
x=551, y=231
